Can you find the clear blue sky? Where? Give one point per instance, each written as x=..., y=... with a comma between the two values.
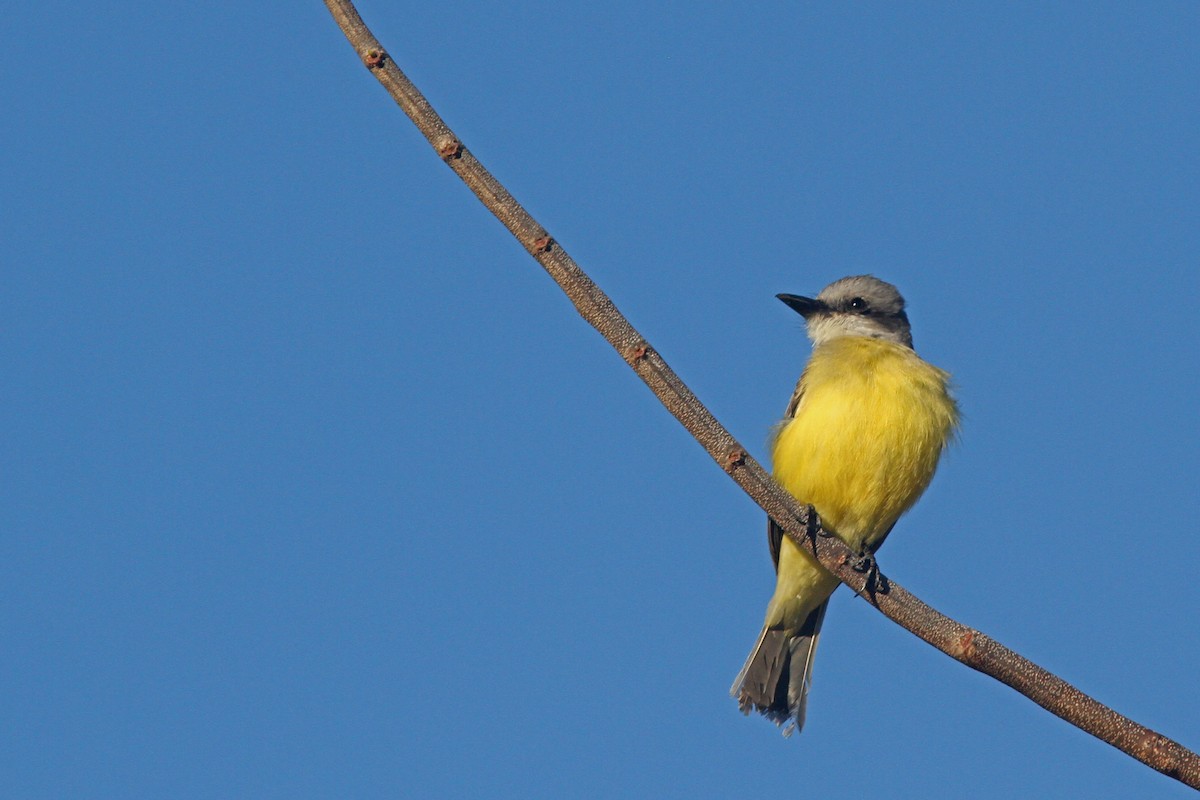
x=315, y=486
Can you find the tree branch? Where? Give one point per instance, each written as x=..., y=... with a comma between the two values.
x=799, y=522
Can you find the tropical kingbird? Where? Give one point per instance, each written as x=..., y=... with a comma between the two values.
x=859, y=442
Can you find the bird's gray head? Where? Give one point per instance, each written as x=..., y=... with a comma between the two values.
x=860, y=305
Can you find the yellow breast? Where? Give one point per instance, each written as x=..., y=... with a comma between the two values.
x=865, y=440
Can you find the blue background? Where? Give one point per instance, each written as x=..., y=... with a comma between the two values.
x=315, y=486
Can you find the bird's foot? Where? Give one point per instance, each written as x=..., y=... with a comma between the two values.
x=876, y=582
x=814, y=521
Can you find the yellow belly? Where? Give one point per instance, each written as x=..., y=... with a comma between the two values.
x=862, y=447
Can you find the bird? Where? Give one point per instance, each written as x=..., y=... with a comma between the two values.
x=860, y=441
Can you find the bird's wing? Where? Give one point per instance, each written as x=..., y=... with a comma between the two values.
x=797, y=396
x=775, y=536
x=775, y=533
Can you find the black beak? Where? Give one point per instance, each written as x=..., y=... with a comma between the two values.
x=804, y=306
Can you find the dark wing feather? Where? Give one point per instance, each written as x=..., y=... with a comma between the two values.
x=775, y=534
x=797, y=396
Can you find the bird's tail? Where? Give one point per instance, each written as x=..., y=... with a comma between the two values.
x=778, y=673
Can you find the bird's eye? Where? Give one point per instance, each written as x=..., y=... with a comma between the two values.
x=858, y=304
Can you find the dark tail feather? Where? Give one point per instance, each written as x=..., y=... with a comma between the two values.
x=778, y=673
